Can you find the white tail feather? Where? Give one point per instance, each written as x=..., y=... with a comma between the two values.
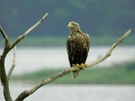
x=75, y=74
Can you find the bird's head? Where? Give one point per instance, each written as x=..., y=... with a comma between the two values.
x=73, y=26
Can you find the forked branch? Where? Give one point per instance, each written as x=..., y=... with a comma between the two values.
x=3, y=76
x=26, y=93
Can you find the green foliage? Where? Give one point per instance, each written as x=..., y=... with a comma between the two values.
x=61, y=41
x=117, y=74
x=96, y=17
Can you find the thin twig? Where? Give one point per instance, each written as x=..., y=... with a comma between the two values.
x=27, y=32
x=4, y=36
x=43, y=82
x=13, y=63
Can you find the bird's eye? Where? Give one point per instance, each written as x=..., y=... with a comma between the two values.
x=74, y=24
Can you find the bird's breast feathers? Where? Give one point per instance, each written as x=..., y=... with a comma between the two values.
x=79, y=40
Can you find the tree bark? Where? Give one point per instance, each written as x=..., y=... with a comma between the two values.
x=3, y=76
x=26, y=93
x=43, y=82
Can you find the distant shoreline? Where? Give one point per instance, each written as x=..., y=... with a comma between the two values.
x=61, y=41
x=116, y=74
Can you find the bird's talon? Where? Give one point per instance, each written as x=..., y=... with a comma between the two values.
x=82, y=66
x=77, y=66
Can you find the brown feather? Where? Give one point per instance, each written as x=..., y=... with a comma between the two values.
x=78, y=44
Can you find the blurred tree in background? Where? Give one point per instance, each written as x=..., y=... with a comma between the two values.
x=96, y=17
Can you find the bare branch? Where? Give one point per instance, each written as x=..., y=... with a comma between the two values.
x=4, y=81
x=110, y=50
x=13, y=63
x=26, y=93
x=3, y=76
x=27, y=32
x=4, y=36
x=43, y=82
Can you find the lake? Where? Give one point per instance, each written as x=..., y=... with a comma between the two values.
x=35, y=58
x=76, y=92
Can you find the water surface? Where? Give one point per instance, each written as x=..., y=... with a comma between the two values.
x=35, y=58
x=76, y=92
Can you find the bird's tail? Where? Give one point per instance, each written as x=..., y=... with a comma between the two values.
x=75, y=74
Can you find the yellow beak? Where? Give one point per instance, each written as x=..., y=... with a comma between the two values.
x=70, y=25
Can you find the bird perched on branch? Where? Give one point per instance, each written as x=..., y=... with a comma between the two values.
x=78, y=44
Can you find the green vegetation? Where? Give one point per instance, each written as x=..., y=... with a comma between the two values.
x=117, y=74
x=100, y=19
x=61, y=41
x=96, y=17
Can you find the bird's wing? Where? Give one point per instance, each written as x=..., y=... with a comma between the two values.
x=69, y=49
x=87, y=37
x=68, y=44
